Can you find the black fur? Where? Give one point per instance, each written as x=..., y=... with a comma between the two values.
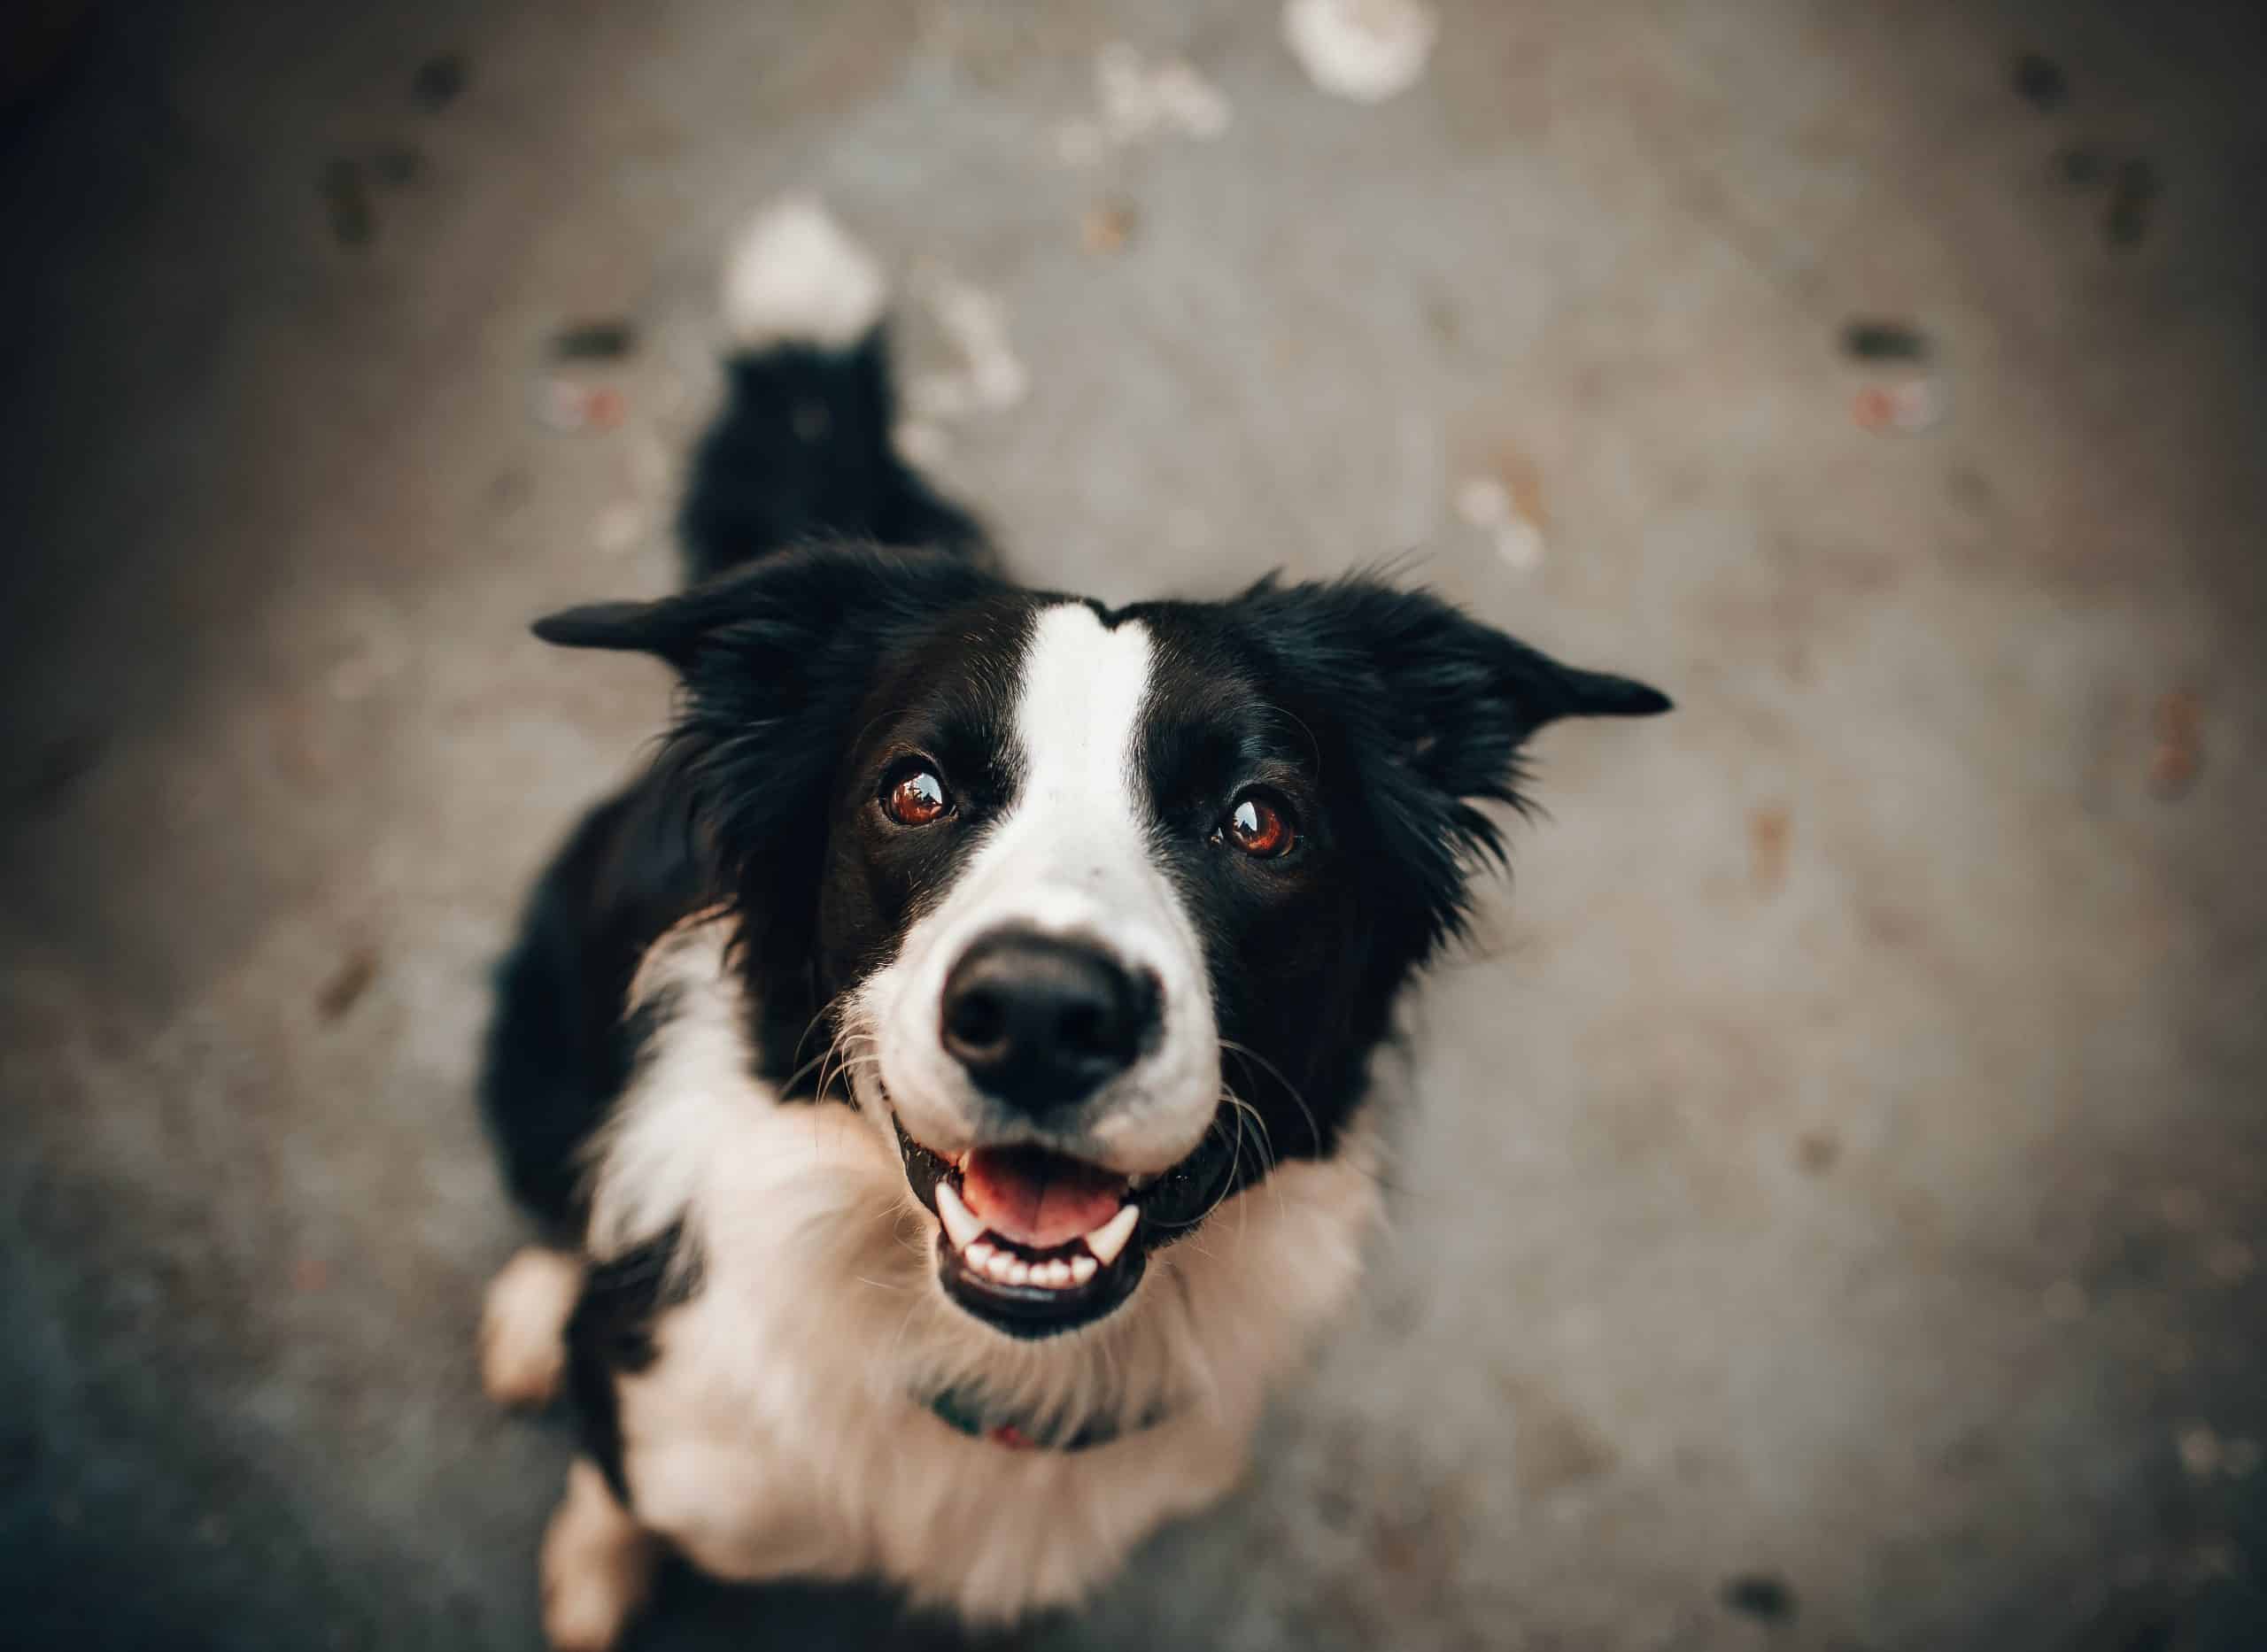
x=802, y=453
x=559, y=1049
x=611, y=1335
x=1383, y=720
x=787, y=666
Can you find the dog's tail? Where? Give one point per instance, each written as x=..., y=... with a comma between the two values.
x=802, y=447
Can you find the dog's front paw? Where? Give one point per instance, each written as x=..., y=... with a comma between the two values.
x=524, y=1326
x=597, y=1565
x=584, y=1614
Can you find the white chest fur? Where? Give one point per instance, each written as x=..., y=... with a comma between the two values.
x=781, y=1429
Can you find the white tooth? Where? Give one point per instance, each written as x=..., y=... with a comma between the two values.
x=999, y=1265
x=977, y=1255
x=1055, y=1275
x=1083, y=1269
x=1020, y=1273
x=1110, y=1238
x=961, y=1224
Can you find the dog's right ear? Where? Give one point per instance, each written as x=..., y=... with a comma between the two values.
x=659, y=628
x=783, y=614
x=776, y=659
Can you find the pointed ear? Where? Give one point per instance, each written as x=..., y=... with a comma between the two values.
x=788, y=611
x=645, y=628
x=1537, y=690
x=775, y=659
x=1435, y=708
x=1448, y=696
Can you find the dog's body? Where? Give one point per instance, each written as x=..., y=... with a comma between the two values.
x=947, y=1073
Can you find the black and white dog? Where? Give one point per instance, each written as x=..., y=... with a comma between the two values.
x=898, y=1064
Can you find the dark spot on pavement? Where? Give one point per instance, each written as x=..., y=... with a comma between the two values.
x=1554, y=1446
x=1884, y=341
x=2040, y=80
x=347, y=984
x=2080, y=166
x=1760, y=1595
x=2178, y=723
x=1108, y=226
x=347, y=203
x=2133, y=200
x=1440, y=320
x=608, y=340
x=398, y=166
x=1769, y=829
x=511, y=489
x=439, y=81
x=1970, y=488
x=1816, y=1150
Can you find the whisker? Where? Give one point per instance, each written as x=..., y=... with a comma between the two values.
x=1245, y=1053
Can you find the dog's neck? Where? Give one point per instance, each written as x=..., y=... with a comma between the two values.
x=966, y=1410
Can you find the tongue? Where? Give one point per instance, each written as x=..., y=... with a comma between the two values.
x=1038, y=1199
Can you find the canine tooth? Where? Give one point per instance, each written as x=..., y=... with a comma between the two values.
x=1020, y=1273
x=978, y=1253
x=1110, y=1238
x=999, y=1265
x=960, y=1225
x=1083, y=1269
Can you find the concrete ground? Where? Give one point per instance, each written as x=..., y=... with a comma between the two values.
x=1837, y=1213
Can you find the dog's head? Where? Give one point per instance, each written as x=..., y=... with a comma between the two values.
x=1097, y=913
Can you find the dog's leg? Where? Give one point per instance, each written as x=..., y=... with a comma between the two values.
x=597, y=1565
x=523, y=1325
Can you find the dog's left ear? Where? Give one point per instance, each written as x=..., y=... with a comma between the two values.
x=1453, y=699
x=1436, y=708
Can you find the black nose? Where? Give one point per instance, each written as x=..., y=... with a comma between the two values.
x=1041, y=1022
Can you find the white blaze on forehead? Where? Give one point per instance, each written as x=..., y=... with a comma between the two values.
x=1076, y=719
x=1070, y=855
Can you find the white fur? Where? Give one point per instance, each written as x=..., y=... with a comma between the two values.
x=597, y=1565
x=795, y=277
x=1362, y=50
x=523, y=1324
x=1070, y=858
x=782, y=1429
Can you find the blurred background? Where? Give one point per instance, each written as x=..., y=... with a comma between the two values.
x=1836, y=1216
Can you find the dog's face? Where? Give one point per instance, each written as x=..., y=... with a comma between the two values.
x=1100, y=914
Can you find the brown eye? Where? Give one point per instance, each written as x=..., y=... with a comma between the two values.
x=1259, y=827
x=916, y=797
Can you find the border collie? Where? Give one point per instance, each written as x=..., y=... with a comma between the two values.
x=942, y=1073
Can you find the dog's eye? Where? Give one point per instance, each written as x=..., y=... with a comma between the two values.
x=914, y=796
x=1260, y=825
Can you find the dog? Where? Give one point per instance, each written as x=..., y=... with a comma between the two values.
x=943, y=1076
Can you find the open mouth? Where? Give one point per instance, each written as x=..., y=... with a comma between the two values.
x=1036, y=1243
